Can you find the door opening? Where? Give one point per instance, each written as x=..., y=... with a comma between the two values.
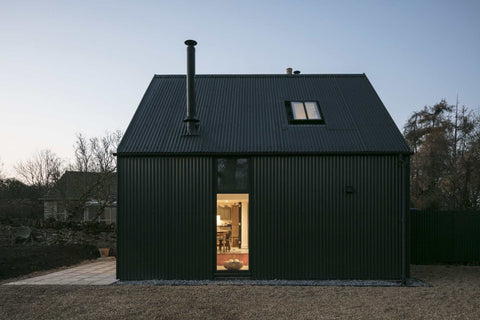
x=232, y=231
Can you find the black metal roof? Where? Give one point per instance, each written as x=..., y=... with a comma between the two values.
x=246, y=114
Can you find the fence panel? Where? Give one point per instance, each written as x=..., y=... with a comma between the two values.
x=445, y=237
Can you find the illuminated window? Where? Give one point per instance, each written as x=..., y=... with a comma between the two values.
x=298, y=110
x=304, y=112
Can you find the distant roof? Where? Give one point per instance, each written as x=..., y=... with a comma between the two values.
x=246, y=114
x=74, y=185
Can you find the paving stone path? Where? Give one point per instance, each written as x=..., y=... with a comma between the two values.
x=100, y=272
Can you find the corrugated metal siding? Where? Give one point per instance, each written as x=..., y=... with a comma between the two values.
x=305, y=226
x=165, y=218
x=246, y=114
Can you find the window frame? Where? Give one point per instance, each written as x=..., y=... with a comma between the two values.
x=291, y=118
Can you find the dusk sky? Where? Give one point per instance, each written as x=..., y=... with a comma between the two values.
x=83, y=66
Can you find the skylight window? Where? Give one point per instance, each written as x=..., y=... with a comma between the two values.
x=303, y=112
x=312, y=111
x=298, y=110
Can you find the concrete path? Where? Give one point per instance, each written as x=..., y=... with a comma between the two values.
x=100, y=272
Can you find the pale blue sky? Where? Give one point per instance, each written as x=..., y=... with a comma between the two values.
x=83, y=66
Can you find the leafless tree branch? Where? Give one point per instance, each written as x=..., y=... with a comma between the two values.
x=42, y=170
x=95, y=155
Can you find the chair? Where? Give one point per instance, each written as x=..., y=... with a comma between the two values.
x=219, y=243
x=228, y=242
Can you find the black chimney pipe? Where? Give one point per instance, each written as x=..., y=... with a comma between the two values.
x=191, y=119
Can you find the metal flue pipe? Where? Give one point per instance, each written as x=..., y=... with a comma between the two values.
x=191, y=119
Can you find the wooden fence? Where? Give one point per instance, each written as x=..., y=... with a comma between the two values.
x=445, y=237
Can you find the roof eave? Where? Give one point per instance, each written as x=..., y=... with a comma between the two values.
x=329, y=153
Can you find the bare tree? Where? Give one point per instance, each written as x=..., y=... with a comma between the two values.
x=103, y=149
x=96, y=154
x=2, y=174
x=83, y=156
x=42, y=170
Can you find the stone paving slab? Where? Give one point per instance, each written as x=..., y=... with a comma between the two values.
x=100, y=272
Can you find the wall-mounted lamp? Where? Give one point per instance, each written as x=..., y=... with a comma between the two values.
x=349, y=189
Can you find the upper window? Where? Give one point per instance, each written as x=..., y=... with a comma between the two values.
x=232, y=174
x=306, y=112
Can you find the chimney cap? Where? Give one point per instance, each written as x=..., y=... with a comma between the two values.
x=191, y=43
x=296, y=72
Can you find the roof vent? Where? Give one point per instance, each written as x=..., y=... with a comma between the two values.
x=296, y=72
x=289, y=70
x=191, y=119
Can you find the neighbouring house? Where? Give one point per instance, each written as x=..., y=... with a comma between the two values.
x=84, y=196
x=269, y=176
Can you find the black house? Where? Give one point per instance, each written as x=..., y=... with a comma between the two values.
x=281, y=176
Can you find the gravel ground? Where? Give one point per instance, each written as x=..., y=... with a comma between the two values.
x=278, y=283
x=455, y=294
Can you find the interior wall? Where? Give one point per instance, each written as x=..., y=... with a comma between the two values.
x=245, y=225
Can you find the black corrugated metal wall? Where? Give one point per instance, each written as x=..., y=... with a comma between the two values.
x=165, y=218
x=303, y=223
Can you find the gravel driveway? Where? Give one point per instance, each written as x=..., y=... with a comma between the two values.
x=455, y=294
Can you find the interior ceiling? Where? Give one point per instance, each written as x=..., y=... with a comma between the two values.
x=232, y=197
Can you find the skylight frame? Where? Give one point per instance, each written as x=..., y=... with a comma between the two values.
x=291, y=112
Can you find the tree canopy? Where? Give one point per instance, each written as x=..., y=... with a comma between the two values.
x=445, y=167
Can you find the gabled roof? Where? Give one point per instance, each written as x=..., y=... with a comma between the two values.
x=246, y=114
x=75, y=185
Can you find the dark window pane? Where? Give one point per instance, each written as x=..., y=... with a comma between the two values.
x=232, y=174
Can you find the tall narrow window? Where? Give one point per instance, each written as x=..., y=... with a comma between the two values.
x=232, y=232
